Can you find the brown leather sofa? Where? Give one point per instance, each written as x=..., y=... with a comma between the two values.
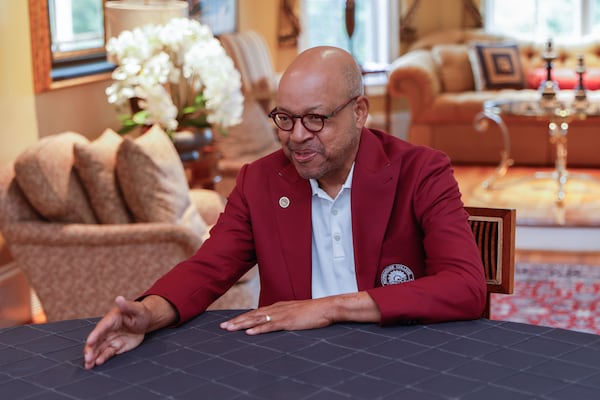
x=436, y=78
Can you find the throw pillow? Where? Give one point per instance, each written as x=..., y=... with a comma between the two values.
x=496, y=66
x=95, y=164
x=454, y=66
x=153, y=181
x=256, y=135
x=45, y=174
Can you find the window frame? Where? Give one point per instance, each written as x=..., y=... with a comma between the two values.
x=47, y=76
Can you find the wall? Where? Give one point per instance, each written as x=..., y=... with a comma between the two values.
x=262, y=16
x=436, y=15
x=17, y=103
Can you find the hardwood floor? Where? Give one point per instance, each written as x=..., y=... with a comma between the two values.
x=545, y=233
x=535, y=199
x=558, y=257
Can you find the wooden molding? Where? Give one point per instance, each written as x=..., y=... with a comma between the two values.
x=40, y=45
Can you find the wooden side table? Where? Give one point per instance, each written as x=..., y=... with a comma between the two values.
x=199, y=156
x=201, y=168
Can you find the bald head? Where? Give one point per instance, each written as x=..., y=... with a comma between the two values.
x=326, y=68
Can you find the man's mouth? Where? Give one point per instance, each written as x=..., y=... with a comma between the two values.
x=304, y=155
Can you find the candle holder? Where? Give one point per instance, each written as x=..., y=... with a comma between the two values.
x=580, y=102
x=548, y=87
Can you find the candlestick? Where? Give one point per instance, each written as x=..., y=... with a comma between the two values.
x=549, y=87
x=580, y=91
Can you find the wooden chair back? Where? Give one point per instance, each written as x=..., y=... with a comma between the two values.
x=494, y=231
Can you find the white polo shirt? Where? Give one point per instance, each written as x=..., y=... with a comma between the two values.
x=332, y=250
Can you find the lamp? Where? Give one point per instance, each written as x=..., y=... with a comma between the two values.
x=129, y=14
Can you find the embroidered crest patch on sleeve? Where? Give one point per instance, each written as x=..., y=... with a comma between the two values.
x=396, y=273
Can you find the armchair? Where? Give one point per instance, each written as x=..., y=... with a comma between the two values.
x=76, y=260
x=252, y=58
x=255, y=137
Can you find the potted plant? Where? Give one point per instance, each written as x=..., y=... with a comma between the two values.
x=176, y=75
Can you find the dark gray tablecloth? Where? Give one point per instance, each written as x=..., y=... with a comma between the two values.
x=460, y=360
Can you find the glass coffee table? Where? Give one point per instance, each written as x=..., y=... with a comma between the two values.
x=558, y=115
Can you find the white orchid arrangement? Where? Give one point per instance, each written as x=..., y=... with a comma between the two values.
x=174, y=75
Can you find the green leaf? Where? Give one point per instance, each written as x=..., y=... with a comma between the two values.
x=140, y=117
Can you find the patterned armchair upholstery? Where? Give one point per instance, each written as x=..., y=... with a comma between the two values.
x=494, y=230
x=252, y=58
x=86, y=230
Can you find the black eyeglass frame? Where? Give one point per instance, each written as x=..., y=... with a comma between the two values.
x=293, y=117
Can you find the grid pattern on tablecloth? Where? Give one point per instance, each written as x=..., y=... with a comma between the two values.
x=457, y=360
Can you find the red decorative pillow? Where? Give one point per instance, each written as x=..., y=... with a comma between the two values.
x=565, y=77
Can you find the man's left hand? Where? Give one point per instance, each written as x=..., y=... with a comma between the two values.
x=306, y=314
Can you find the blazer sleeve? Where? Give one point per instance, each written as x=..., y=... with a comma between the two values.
x=453, y=285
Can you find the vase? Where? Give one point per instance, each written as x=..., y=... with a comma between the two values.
x=199, y=156
x=190, y=142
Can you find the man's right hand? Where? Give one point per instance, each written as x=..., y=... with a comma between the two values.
x=123, y=328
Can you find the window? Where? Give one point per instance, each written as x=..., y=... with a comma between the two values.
x=67, y=42
x=537, y=20
x=75, y=26
x=323, y=23
x=77, y=38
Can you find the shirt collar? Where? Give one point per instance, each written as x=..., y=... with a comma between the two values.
x=347, y=184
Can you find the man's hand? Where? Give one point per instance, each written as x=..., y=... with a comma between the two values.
x=123, y=328
x=306, y=314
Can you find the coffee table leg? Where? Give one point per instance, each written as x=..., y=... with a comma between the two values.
x=558, y=136
x=558, y=131
x=481, y=124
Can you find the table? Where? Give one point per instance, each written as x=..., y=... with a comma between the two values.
x=558, y=114
x=199, y=156
x=481, y=359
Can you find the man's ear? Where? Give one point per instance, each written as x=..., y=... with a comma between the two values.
x=361, y=111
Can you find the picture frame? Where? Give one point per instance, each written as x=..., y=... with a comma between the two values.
x=220, y=15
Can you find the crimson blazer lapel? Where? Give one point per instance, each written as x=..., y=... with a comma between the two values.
x=293, y=215
x=373, y=192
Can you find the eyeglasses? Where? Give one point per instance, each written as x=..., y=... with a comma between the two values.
x=312, y=122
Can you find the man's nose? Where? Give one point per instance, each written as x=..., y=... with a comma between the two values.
x=299, y=133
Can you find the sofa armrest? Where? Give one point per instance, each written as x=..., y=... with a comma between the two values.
x=415, y=77
x=95, y=235
x=209, y=204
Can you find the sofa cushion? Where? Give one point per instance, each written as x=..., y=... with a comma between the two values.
x=46, y=176
x=95, y=165
x=496, y=66
x=454, y=67
x=153, y=181
x=566, y=78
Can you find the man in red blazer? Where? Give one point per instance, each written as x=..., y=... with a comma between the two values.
x=345, y=224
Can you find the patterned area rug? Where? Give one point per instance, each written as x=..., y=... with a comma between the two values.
x=557, y=295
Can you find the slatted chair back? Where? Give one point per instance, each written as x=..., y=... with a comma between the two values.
x=494, y=231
